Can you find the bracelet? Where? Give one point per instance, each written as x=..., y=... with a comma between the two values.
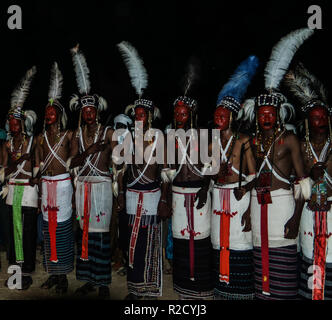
x=162, y=200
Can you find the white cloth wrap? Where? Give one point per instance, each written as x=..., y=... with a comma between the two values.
x=279, y=212
x=307, y=239
x=30, y=194
x=64, y=193
x=101, y=202
x=202, y=217
x=150, y=201
x=238, y=240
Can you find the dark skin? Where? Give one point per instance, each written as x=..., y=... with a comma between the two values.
x=152, y=172
x=318, y=129
x=89, y=130
x=286, y=158
x=42, y=150
x=15, y=127
x=222, y=122
x=182, y=121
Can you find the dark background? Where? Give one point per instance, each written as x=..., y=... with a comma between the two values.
x=166, y=34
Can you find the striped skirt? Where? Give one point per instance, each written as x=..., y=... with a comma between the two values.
x=241, y=276
x=145, y=278
x=64, y=248
x=283, y=273
x=202, y=286
x=304, y=291
x=97, y=269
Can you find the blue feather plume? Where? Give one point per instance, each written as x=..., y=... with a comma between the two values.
x=238, y=83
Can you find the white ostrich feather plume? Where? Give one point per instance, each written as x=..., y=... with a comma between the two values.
x=56, y=82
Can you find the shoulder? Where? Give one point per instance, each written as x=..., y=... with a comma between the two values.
x=69, y=134
x=243, y=138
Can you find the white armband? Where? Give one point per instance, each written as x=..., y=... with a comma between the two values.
x=302, y=189
x=250, y=177
x=2, y=174
x=164, y=176
x=68, y=163
x=35, y=171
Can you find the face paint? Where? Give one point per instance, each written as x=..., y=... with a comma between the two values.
x=181, y=114
x=51, y=115
x=15, y=126
x=141, y=115
x=89, y=115
x=221, y=118
x=267, y=117
x=318, y=120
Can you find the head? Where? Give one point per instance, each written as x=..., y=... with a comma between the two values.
x=141, y=114
x=51, y=115
x=267, y=117
x=222, y=118
x=89, y=115
x=15, y=125
x=181, y=115
x=318, y=119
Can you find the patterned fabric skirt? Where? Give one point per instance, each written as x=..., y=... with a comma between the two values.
x=241, y=276
x=304, y=291
x=283, y=273
x=64, y=248
x=97, y=269
x=202, y=286
x=145, y=278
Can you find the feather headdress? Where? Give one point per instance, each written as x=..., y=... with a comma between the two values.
x=190, y=78
x=55, y=92
x=134, y=63
x=234, y=90
x=81, y=70
x=83, y=83
x=22, y=90
x=281, y=56
x=309, y=90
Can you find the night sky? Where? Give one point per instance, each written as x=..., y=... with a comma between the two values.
x=166, y=34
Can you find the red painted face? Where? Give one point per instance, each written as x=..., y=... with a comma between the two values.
x=89, y=115
x=15, y=126
x=221, y=118
x=141, y=115
x=181, y=115
x=51, y=115
x=267, y=117
x=318, y=119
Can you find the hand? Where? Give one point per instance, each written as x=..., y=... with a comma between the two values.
x=164, y=210
x=246, y=220
x=201, y=195
x=26, y=156
x=33, y=181
x=97, y=147
x=291, y=228
x=239, y=193
x=121, y=203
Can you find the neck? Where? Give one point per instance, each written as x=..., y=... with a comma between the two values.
x=226, y=134
x=52, y=128
x=318, y=137
x=92, y=126
x=268, y=133
x=18, y=136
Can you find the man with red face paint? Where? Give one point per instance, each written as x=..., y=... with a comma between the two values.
x=146, y=190
x=146, y=205
x=192, y=269
x=316, y=219
x=22, y=198
x=231, y=235
x=91, y=149
x=55, y=187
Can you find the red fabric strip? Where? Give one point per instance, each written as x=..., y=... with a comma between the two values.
x=86, y=219
x=265, y=250
x=224, y=235
x=134, y=233
x=319, y=255
x=52, y=217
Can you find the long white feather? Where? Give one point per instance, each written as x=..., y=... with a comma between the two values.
x=22, y=90
x=281, y=56
x=82, y=71
x=135, y=66
x=56, y=81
